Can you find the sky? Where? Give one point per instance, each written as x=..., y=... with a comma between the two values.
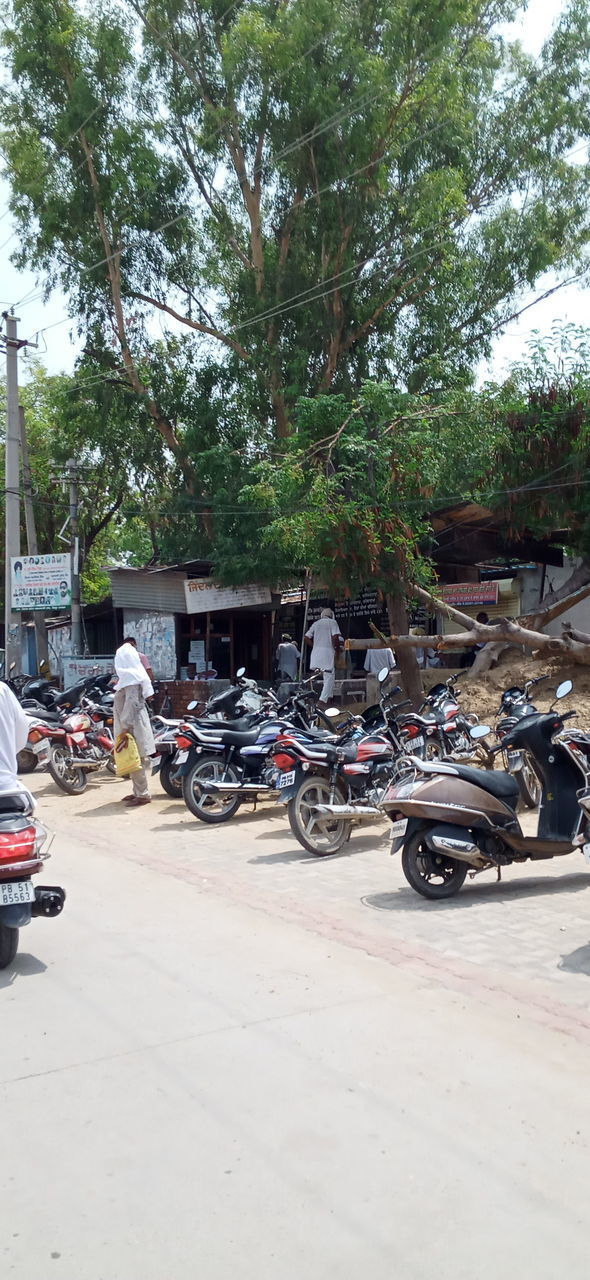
x=58, y=348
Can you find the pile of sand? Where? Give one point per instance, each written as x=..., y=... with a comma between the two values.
x=483, y=694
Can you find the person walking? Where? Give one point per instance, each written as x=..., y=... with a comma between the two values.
x=287, y=658
x=143, y=658
x=131, y=716
x=326, y=641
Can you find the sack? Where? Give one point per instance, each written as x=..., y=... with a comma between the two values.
x=127, y=757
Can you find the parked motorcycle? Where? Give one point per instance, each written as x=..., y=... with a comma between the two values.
x=450, y=819
x=81, y=745
x=441, y=729
x=514, y=704
x=21, y=857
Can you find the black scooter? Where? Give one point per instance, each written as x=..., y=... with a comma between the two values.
x=450, y=817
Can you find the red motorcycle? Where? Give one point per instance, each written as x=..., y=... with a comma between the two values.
x=331, y=786
x=81, y=745
x=21, y=857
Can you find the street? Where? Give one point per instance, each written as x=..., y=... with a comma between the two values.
x=230, y=1059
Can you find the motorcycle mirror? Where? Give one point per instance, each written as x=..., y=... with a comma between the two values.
x=383, y=674
x=332, y=712
x=563, y=689
x=12, y=666
x=241, y=671
x=479, y=731
x=191, y=705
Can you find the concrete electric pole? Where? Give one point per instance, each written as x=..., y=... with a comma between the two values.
x=12, y=619
x=32, y=544
x=71, y=470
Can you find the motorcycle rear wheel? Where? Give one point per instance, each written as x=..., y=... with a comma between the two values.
x=321, y=836
x=71, y=780
x=210, y=808
x=432, y=875
x=8, y=945
x=172, y=786
x=27, y=761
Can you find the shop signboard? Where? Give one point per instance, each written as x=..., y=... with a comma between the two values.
x=41, y=582
x=470, y=595
x=205, y=596
x=76, y=668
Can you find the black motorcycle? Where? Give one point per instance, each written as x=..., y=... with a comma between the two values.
x=515, y=704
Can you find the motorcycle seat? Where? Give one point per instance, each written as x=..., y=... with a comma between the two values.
x=233, y=738
x=43, y=713
x=499, y=784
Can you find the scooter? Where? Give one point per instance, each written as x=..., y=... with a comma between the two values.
x=21, y=857
x=516, y=703
x=453, y=819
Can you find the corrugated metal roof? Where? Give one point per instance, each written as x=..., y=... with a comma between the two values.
x=144, y=589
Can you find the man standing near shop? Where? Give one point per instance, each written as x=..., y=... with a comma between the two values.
x=326, y=641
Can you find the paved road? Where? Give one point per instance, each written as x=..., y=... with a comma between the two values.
x=227, y=1059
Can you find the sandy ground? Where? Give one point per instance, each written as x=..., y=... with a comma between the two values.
x=229, y=1059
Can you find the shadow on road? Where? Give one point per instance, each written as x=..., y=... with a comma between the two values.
x=299, y=854
x=473, y=895
x=23, y=966
x=577, y=962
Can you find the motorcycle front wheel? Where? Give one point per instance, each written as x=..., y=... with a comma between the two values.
x=529, y=785
x=206, y=805
x=433, y=875
x=8, y=945
x=71, y=780
x=318, y=833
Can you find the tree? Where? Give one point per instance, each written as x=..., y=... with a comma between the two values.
x=100, y=426
x=319, y=193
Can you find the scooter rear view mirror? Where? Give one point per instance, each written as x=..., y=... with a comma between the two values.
x=191, y=705
x=241, y=671
x=563, y=689
x=479, y=731
x=383, y=674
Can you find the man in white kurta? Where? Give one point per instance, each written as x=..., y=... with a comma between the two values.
x=14, y=731
x=325, y=640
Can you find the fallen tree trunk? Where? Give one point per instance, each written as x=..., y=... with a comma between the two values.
x=504, y=632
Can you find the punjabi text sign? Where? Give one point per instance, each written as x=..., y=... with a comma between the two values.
x=41, y=582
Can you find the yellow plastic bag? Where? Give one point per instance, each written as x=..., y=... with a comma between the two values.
x=127, y=757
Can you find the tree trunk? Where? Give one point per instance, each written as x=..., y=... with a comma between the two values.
x=411, y=678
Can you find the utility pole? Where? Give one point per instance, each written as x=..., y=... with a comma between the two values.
x=32, y=544
x=71, y=469
x=12, y=618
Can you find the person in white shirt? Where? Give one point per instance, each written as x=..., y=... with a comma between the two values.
x=325, y=640
x=14, y=731
x=376, y=659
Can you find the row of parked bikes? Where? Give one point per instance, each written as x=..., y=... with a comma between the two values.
x=431, y=772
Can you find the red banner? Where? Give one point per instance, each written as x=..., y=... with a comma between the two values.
x=469, y=594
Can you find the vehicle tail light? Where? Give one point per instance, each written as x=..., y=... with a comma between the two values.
x=18, y=846
x=283, y=761
x=35, y=735
x=412, y=730
x=183, y=743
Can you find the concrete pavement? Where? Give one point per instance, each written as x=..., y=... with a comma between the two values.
x=229, y=1060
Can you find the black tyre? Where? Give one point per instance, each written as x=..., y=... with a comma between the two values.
x=205, y=805
x=8, y=945
x=172, y=786
x=433, y=875
x=529, y=785
x=71, y=780
x=321, y=835
x=27, y=761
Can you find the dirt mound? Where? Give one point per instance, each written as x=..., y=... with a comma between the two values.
x=482, y=695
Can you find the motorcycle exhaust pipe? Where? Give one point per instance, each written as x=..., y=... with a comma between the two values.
x=462, y=850
x=90, y=766
x=230, y=788
x=363, y=813
x=49, y=901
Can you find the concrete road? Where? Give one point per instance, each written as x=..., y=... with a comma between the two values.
x=210, y=1069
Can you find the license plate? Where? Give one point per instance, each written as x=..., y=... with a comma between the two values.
x=40, y=748
x=182, y=757
x=399, y=828
x=514, y=759
x=419, y=741
x=286, y=779
x=13, y=892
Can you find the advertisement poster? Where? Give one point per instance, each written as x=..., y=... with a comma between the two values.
x=41, y=582
x=470, y=594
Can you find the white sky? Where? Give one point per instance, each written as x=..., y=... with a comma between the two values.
x=58, y=350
